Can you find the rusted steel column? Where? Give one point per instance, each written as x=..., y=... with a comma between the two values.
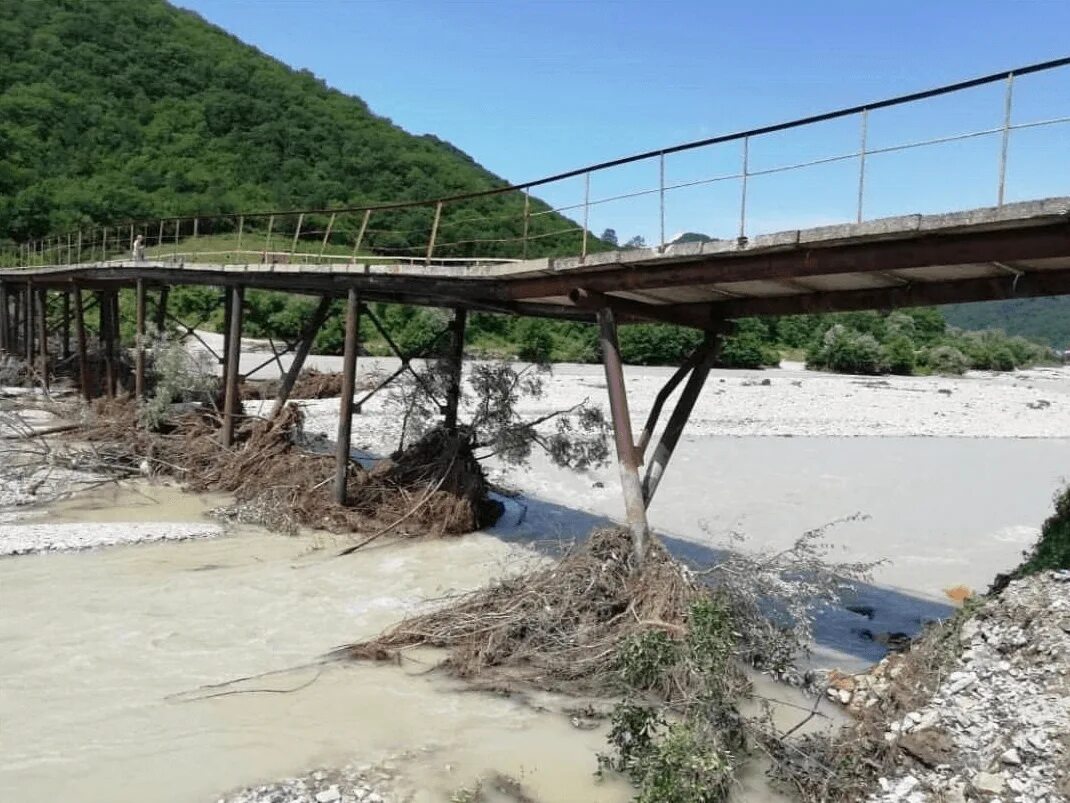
x=345, y=408
x=161, y=309
x=680, y=415
x=304, y=346
x=27, y=323
x=5, y=320
x=230, y=376
x=228, y=299
x=83, y=358
x=107, y=341
x=42, y=336
x=627, y=459
x=65, y=324
x=139, y=365
x=456, y=360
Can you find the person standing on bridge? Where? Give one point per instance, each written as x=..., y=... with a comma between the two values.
x=139, y=249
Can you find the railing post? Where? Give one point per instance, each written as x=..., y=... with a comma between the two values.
x=267, y=238
x=159, y=238
x=174, y=251
x=661, y=196
x=1007, y=104
x=104, y=246
x=327, y=234
x=743, y=193
x=586, y=212
x=527, y=219
x=241, y=230
x=434, y=231
x=297, y=234
x=360, y=234
x=862, y=162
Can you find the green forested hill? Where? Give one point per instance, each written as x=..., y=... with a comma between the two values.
x=1046, y=320
x=125, y=109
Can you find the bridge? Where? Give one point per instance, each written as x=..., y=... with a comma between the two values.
x=1003, y=250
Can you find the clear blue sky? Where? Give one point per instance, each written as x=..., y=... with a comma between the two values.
x=533, y=88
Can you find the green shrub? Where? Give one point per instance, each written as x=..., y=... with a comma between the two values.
x=946, y=361
x=1052, y=550
x=848, y=351
x=657, y=344
x=534, y=343
x=902, y=356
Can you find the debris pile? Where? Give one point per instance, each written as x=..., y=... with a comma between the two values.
x=310, y=384
x=435, y=486
x=557, y=627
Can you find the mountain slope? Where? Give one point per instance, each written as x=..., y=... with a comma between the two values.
x=131, y=109
x=1046, y=320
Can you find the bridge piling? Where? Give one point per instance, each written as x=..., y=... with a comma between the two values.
x=42, y=336
x=161, y=309
x=106, y=339
x=139, y=365
x=65, y=324
x=456, y=361
x=27, y=322
x=345, y=410
x=231, y=366
x=79, y=330
x=627, y=457
x=5, y=320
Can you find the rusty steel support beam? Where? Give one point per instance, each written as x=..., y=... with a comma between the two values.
x=139, y=364
x=233, y=357
x=345, y=409
x=83, y=357
x=627, y=458
x=624, y=308
x=456, y=362
x=304, y=346
x=107, y=341
x=27, y=323
x=709, y=351
x=5, y=320
x=161, y=310
x=65, y=324
x=42, y=336
x=228, y=298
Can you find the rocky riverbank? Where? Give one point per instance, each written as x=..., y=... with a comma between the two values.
x=997, y=727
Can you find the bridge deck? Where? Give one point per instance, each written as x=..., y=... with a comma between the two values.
x=1017, y=250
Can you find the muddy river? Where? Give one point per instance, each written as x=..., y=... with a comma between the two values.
x=103, y=655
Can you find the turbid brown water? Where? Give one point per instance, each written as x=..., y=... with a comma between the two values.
x=104, y=652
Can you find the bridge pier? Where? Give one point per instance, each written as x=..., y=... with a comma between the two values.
x=5, y=320
x=627, y=455
x=27, y=323
x=42, y=336
x=139, y=364
x=65, y=324
x=456, y=362
x=236, y=309
x=345, y=410
x=83, y=359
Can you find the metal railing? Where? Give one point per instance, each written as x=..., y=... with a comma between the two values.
x=509, y=223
